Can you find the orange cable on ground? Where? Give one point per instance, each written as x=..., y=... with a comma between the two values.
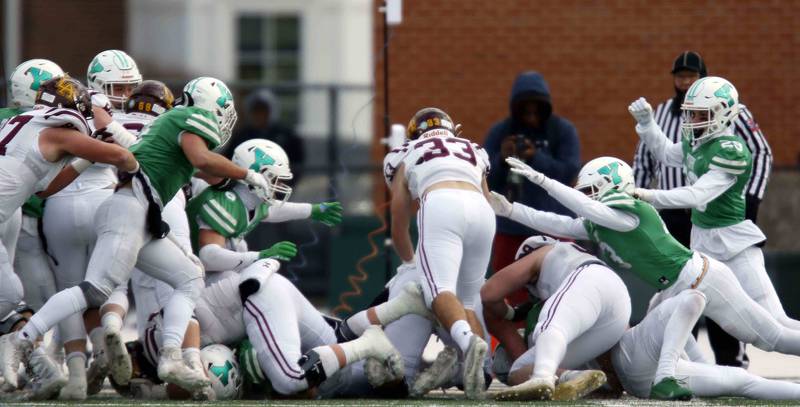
x=361, y=276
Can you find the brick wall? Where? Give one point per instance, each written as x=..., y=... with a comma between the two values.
x=597, y=56
x=72, y=32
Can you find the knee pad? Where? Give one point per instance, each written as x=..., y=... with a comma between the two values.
x=312, y=367
x=94, y=296
x=8, y=323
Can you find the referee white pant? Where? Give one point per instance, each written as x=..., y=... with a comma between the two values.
x=456, y=229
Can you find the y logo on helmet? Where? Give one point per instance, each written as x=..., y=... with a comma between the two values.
x=222, y=371
x=225, y=97
x=611, y=170
x=262, y=159
x=96, y=66
x=725, y=93
x=39, y=76
x=694, y=90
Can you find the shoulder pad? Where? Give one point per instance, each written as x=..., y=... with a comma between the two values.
x=58, y=117
x=730, y=155
x=197, y=121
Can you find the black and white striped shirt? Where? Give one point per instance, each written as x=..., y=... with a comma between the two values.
x=646, y=170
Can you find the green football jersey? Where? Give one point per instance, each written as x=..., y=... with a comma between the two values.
x=648, y=251
x=727, y=153
x=33, y=207
x=224, y=212
x=159, y=150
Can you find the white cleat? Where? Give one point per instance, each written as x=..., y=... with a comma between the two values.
x=119, y=361
x=474, y=380
x=533, y=389
x=75, y=389
x=438, y=374
x=413, y=302
x=387, y=363
x=97, y=373
x=46, y=377
x=579, y=385
x=13, y=351
x=172, y=369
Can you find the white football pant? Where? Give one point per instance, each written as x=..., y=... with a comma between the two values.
x=11, y=292
x=32, y=265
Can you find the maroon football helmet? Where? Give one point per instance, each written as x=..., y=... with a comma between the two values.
x=65, y=92
x=150, y=97
x=428, y=119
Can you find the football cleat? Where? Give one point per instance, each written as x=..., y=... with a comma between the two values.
x=45, y=376
x=97, y=373
x=381, y=349
x=119, y=361
x=670, y=388
x=412, y=301
x=172, y=369
x=438, y=374
x=474, y=379
x=13, y=351
x=578, y=385
x=533, y=389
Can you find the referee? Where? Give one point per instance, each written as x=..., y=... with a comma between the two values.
x=649, y=173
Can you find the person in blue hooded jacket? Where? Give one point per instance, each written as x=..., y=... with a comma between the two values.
x=546, y=142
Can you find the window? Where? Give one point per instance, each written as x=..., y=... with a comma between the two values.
x=269, y=52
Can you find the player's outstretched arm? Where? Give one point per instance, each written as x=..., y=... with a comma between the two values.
x=661, y=148
x=574, y=200
x=401, y=207
x=707, y=188
x=547, y=222
x=327, y=213
x=60, y=141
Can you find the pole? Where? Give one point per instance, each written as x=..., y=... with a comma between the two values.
x=387, y=243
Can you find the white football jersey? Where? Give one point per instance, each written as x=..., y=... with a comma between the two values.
x=219, y=311
x=439, y=156
x=23, y=169
x=557, y=265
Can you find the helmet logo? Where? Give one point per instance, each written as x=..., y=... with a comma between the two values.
x=96, y=66
x=222, y=371
x=725, y=93
x=611, y=170
x=39, y=76
x=225, y=97
x=694, y=89
x=66, y=89
x=262, y=159
x=120, y=61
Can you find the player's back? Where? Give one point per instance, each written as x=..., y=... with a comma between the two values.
x=563, y=259
x=219, y=311
x=133, y=122
x=439, y=156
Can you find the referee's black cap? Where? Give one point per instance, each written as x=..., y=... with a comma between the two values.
x=690, y=60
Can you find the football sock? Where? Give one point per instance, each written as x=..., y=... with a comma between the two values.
x=56, y=309
x=461, y=334
x=551, y=345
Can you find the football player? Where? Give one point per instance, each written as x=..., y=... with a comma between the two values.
x=446, y=175
x=131, y=231
x=30, y=261
x=37, y=146
x=73, y=212
x=586, y=311
x=718, y=164
x=666, y=330
x=632, y=237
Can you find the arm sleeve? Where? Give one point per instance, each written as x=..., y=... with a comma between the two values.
x=707, y=188
x=216, y=258
x=747, y=128
x=564, y=163
x=642, y=166
x=288, y=211
x=659, y=146
x=548, y=222
x=594, y=211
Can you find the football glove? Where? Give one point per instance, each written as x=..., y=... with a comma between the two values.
x=500, y=205
x=641, y=111
x=283, y=251
x=643, y=194
x=260, y=184
x=525, y=170
x=327, y=213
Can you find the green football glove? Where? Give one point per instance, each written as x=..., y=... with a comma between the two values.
x=283, y=251
x=327, y=213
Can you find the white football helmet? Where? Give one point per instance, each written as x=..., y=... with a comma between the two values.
x=223, y=370
x=718, y=99
x=605, y=174
x=532, y=243
x=25, y=81
x=268, y=158
x=213, y=95
x=109, y=68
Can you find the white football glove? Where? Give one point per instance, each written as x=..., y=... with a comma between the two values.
x=116, y=133
x=100, y=100
x=500, y=204
x=643, y=194
x=641, y=111
x=260, y=184
x=519, y=167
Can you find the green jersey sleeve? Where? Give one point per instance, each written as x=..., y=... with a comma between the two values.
x=731, y=156
x=618, y=200
x=202, y=123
